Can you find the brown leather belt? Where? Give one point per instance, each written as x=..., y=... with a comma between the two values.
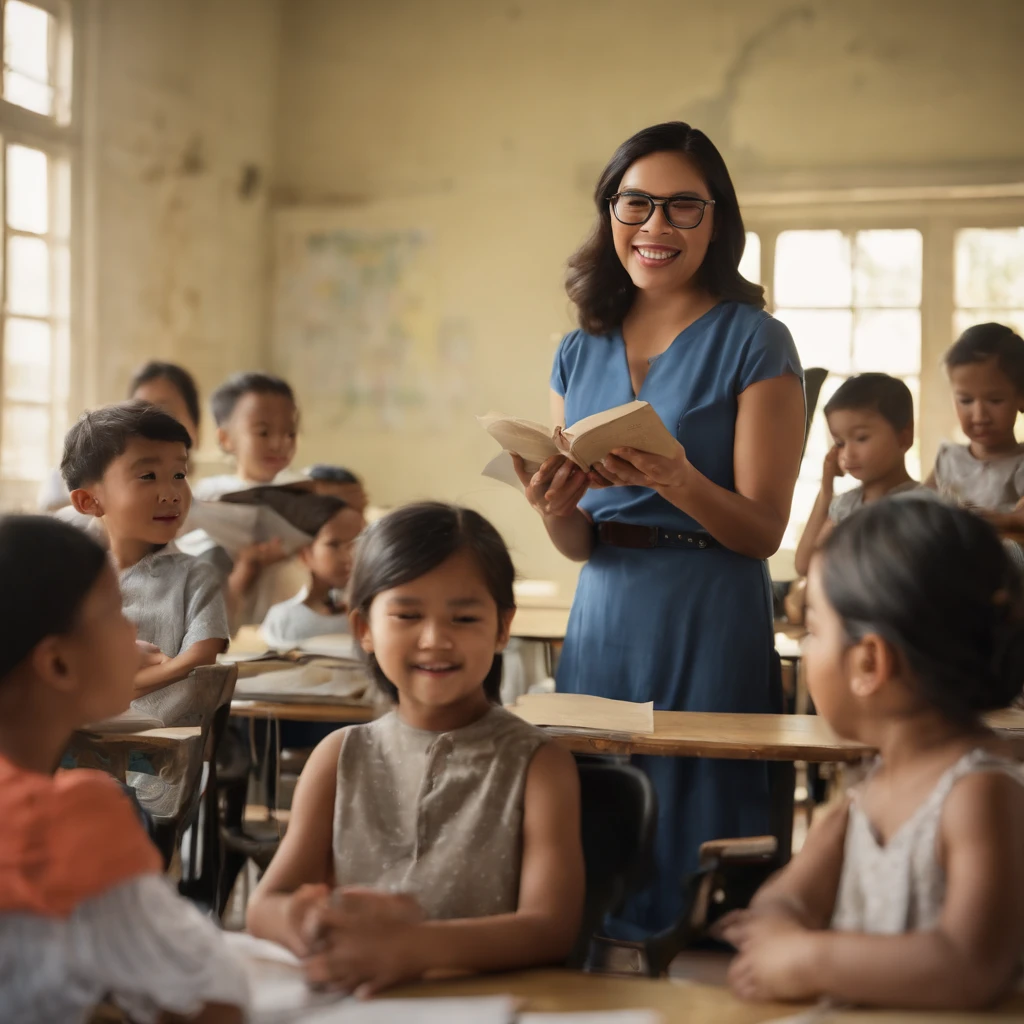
x=629, y=535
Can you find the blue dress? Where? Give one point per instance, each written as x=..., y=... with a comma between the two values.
x=689, y=629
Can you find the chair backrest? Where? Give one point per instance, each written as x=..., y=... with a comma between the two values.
x=814, y=379
x=619, y=810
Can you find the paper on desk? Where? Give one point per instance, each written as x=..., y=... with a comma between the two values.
x=582, y=711
x=340, y=646
x=305, y=682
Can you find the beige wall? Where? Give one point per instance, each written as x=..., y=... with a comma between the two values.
x=487, y=123
x=180, y=145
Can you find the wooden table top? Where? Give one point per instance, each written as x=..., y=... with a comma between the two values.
x=346, y=714
x=533, y=623
x=168, y=737
x=556, y=991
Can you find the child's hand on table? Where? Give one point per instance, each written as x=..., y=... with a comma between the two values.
x=775, y=956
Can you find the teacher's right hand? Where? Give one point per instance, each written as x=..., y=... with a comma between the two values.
x=556, y=488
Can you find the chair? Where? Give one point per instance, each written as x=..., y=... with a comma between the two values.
x=619, y=810
x=814, y=379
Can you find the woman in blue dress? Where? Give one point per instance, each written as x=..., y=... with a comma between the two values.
x=674, y=602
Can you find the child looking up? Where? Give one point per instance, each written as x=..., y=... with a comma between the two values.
x=126, y=464
x=986, y=372
x=871, y=419
x=912, y=893
x=449, y=829
x=84, y=911
x=339, y=483
x=319, y=608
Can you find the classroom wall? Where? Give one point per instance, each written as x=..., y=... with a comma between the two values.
x=181, y=101
x=486, y=124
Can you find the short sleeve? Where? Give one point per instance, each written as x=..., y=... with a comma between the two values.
x=943, y=469
x=771, y=352
x=206, y=616
x=565, y=359
x=845, y=504
x=275, y=626
x=154, y=952
x=1018, y=481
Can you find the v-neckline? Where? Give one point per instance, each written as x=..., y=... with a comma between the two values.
x=655, y=358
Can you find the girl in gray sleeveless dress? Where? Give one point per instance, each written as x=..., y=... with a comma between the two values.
x=912, y=893
x=446, y=834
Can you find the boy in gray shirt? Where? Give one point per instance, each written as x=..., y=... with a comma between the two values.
x=126, y=464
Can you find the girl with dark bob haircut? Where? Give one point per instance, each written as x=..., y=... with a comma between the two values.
x=911, y=893
x=672, y=605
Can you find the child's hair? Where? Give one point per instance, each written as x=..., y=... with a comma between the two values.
x=416, y=539
x=935, y=582
x=99, y=437
x=983, y=341
x=888, y=396
x=48, y=568
x=228, y=395
x=332, y=474
x=182, y=380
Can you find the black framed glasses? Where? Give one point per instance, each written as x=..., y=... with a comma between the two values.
x=635, y=208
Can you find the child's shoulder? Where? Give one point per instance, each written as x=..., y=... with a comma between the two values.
x=212, y=487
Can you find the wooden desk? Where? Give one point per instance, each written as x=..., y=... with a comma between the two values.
x=533, y=623
x=108, y=752
x=554, y=991
x=346, y=714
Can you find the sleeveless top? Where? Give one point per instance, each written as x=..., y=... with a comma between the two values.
x=901, y=887
x=437, y=815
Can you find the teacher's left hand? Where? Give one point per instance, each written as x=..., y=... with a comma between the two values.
x=631, y=468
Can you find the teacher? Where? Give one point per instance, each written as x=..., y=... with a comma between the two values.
x=674, y=602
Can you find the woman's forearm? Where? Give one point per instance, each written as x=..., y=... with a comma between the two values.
x=738, y=523
x=572, y=535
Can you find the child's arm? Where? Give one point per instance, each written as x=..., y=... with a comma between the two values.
x=298, y=876
x=155, y=677
x=367, y=954
x=969, y=959
x=818, y=524
x=246, y=571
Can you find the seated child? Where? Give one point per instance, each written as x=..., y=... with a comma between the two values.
x=871, y=419
x=986, y=372
x=911, y=894
x=380, y=878
x=126, y=464
x=85, y=913
x=339, y=483
x=319, y=608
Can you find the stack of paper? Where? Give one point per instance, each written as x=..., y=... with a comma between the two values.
x=581, y=711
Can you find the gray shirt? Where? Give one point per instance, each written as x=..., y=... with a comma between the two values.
x=844, y=505
x=174, y=600
x=993, y=484
x=291, y=621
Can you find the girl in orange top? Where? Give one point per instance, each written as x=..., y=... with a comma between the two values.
x=84, y=910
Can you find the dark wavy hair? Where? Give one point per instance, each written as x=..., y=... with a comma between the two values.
x=598, y=283
x=936, y=583
x=416, y=539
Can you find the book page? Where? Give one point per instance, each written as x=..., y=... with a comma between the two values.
x=635, y=425
x=582, y=711
x=533, y=441
x=500, y=468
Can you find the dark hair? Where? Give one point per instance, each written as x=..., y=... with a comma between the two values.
x=182, y=380
x=99, y=437
x=416, y=539
x=888, y=396
x=48, y=568
x=228, y=395
x=332, y=474
x=598, y=283
x=935, y=582
x=983, y=341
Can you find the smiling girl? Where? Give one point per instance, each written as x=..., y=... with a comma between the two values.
x=449, y=829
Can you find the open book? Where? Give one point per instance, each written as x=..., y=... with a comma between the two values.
x=589, y=440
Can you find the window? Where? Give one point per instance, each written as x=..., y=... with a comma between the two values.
x=36, y=159
x=989, y=272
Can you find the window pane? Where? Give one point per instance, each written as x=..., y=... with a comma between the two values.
x=964, y=318
x=27, y=40
x=887, y=341
x=822, y=336
x=27, y=361
x=812, y=268
x=25, y=442
x=887, y=268
x=27, y=189
x=28, y=276
x=990, y=268
x=24, y=92
x=750, y=265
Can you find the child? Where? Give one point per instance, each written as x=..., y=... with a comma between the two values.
x=449, y=829
x=986, y=371
x=912, y=893
x=126, y=464
x=340, y=483
x=871, y=419
x=319, y=608
x=84, y=911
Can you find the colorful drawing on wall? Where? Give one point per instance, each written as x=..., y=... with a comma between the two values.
x=357, y=320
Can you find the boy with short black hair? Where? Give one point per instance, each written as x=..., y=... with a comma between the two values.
x=126, y=465
x=871, y=419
